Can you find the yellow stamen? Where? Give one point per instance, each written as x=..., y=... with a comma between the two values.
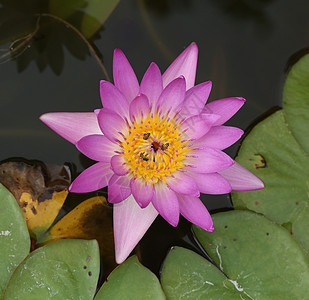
x=154, y=148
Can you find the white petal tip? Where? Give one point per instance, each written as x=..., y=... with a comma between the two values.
x=120, y=258
x=130, y=224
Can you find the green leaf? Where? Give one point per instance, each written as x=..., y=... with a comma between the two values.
x=300, y=227
x=129, y=281
x=14, y=236
x=96, y=13
x=296, y=101
x=65, y=8
x=271, y=152
x=260, y=257
x=67, y=269
x=187, y=275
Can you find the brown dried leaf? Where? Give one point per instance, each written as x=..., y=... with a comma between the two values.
x=39, y=189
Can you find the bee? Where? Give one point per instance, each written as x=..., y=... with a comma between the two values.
x=164, y=146
x=143, y=157
x=146, y=136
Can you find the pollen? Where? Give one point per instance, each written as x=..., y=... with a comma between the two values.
x=155, y=148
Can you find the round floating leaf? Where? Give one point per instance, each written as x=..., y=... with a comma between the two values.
x=260, y=257
x=131, y=280
x=271, y=152
x=67, y=269
x=14, y=236
x=300, y=227
x=187, y=275
x=296, y=101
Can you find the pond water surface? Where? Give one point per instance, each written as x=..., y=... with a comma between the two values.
x=244, y=47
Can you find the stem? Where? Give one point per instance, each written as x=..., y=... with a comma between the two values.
x=67, y=24
x=27, y=39
x=24, y=43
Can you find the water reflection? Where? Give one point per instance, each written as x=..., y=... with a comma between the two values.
x=39, y=31
x=164, y=7
x=241, y=9
x=239, y=62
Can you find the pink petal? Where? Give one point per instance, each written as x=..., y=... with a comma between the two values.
x=124, y=77
x=241, y=179
x=92, y=179
x=72, y=126
x=219, y=137
x=183, y=184
x=208, y=160
x=130, y=224
x=142, y=192
x=172, y=96
x=112, y=125
x=97, y=147
x=183, y=65
x=97, y=111
x=151, y=84
x=193, y=209
x=119, y=166
x=113, y=99
x=195, y=99
x=165, y=202
x=118, y=188
x=211, y=183
x=226, y=108
x=197, y=126
x=139, y=108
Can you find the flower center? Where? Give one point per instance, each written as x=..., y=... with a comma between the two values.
x=155, y=148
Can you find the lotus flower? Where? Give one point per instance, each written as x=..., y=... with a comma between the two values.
x=157, y=146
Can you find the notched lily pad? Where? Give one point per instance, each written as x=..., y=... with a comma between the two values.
x=187, y=275
x=131, y=280
x=66, y=269
x=40, y=191
x=14, y=236
x=255, y=258
x=260, y=257
x=271, y=152
x=296, y=101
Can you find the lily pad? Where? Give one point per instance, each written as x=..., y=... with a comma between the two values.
x=131, y=280
x=91, y=219
x=300, y=227
x=271, y=152
x=67, y=269
x=187, y=275
x=260, y=259
x=296, y=101
x=14, y=236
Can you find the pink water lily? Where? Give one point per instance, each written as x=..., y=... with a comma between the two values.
x=157, y=145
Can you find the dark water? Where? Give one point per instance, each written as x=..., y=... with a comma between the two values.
x=243, y=48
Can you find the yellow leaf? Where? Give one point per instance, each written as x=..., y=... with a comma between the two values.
x=91, y=219
x=40, y=215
